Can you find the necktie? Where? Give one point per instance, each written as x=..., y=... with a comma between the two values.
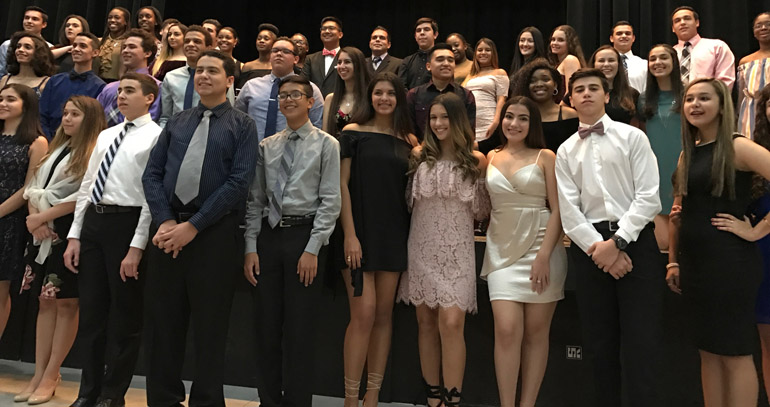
x=104, y=167
x=189, y=178
x=272, y=109
x=329, y=52
x=78, y=76
x=597, y=128
x=376, y=62
x=624, y=58
x=188, y=93
x=686, y=63
x=276, y=203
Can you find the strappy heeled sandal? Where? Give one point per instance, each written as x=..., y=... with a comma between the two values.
x=352, y=388
x=450, y=396
x=433, y=392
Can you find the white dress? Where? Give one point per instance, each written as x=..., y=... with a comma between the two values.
x=486, y=89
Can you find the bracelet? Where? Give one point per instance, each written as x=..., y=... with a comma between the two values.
x=669, y=266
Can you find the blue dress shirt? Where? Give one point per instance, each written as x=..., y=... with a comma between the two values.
x=58, y=89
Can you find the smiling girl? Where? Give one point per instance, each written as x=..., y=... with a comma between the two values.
x=171, y=55
x=348, y=101
x=31, y=63
x=565, y=52
x=489, y=85
x=622, y=105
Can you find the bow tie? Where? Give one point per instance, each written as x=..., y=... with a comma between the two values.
x=330, y=52
x=597, y=128
x=78, y=76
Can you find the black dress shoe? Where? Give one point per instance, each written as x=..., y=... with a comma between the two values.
x=110, y=403
x=83, y=402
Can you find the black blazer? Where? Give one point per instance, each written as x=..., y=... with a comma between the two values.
x=314, y=71
x=389, y=64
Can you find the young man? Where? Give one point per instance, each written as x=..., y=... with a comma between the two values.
x=700, y=57
x=293, y=204
x=177, y=88
x=212, y=27
x=321, y=67
x=35, y=19
x=80, y=81
x=197, y=180
x=138, y=47
x=380, y=61
x=441, y=67
x=300, y=41
x=608, y=196
x=259, y=96
x=106, y=242
x=412, y=71
x=622, y=38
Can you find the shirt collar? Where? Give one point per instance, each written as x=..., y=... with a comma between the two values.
x=143, y=70
x=273, y=77
x=141, y=120
x=303, y=131
x=604, y=119
x=629, y=54
x=217, y=110
x=382, y=57
x=693, y=41
x=450, y=87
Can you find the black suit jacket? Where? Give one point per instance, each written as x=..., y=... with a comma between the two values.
x=314, y=71
x=389, y=64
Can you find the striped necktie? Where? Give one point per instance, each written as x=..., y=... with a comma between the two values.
x=686, y=63
x=104, y=167
x=276, y=203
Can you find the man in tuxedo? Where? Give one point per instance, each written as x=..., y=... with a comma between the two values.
x=380, y=61
x=413, y=71
x=321, y=67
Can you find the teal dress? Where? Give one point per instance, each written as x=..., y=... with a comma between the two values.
x=664, y=129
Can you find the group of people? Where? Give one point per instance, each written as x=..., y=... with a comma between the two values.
x=124, y=179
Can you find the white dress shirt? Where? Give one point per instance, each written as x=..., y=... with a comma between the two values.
x=637, y=71
x=328, y=59
x=607, y=177
x=172, y=93
x=382, y=58
x=124, y=180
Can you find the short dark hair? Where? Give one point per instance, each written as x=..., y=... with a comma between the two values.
x=440, y=45
x=148, y=40
x=387, y=33
x=227, y=63
x=622, y=22
x=423, y=20
x=39, y=10
x=213, y=22
x=94, y=39
x=199, y=29
x=680, y=8
x=300, y=80
x=232, y=31
x=268, y=27
x=587, y=73
x=287, y=39
x=333, y=19
x=146, y=82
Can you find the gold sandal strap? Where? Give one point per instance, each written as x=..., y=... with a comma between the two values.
x=373, y=381
x=352, y=387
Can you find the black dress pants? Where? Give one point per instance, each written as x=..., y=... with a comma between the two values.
x=110, y=309
x=622, y=322
x=286, y=317
x=198, y=286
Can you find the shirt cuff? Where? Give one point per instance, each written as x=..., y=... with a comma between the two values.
x=139, y=241
x=627, y=237
x=314, y=245
x=198, y=221
x=74, y=232
x=250, y=245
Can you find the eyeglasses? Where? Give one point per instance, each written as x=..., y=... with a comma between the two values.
x=284, y=51
x=294, y=95
x=759, y=26
x=329, y=28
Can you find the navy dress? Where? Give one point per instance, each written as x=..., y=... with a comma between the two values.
x=14, y=161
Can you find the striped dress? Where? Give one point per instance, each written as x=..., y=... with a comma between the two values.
x=752, y=77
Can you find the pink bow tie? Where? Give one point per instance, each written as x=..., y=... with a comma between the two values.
x=332, y=52
x=597, y=128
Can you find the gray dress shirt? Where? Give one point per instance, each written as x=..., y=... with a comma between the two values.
x=313, y=186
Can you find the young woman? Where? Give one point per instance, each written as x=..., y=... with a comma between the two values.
x=73, y=25
x=51, y=202
x=118, y=23
x=149, y=19
x=30, y=64
x=172, y=55
x=659, y=109
x=529, y=46
x=720, y=264
x=463, y=63
x=489, y=85
x=375, y=224
x=446, y=194
x=348, y=101
x=266, y=36
x=525, y=266
x=753, y=71
x=565, y=52
x=622, y=104
x=227, y=40
x=22, y=145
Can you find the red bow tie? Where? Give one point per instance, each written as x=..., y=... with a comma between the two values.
x=332, y=52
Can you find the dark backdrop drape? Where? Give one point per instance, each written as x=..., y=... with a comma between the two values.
x=501, y=21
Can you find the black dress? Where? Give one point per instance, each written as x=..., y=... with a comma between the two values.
x=14, y=161
x=720, y=272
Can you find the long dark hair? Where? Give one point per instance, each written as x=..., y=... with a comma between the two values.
x=29, y=128
x=652, y=92
x=520, y=60
x=761, y=136
x=361, y=79
x=402, y=124
x=63, y=41
x=42, y=59
x=126, y=16
x=621, y=94
x=535, y=137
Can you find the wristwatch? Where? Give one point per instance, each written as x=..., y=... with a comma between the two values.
x=620, y=243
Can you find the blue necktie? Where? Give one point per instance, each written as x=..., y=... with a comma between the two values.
x=188, y=93
x=272, y=109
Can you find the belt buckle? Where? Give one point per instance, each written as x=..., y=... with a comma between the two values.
x=281, y=224
x=99, y=208
x=612, y=225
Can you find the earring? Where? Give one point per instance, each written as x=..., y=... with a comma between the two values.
x=555, y=92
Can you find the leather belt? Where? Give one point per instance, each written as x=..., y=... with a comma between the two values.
x=105, y=209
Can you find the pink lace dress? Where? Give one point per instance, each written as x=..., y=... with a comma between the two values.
x=441, y=257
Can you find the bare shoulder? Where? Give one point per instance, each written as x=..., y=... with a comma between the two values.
x=40, y=144
x=547, y=156
x=568, y=112
x=491, y=154
x=500, y=72
x=482, y=159
x=328, y=99
x=351, y=126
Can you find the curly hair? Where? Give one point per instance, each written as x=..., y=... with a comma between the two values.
x=622, y=94
x=42, y=59
x=520, y=86
x=761, y=136
x=573, y=45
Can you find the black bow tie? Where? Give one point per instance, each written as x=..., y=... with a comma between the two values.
x=78, y=76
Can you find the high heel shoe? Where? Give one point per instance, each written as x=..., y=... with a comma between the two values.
x=452, y=397
x=40, y=399
x=434, y=393
x=352, y=388
x=373, y=382
x=22, y=397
